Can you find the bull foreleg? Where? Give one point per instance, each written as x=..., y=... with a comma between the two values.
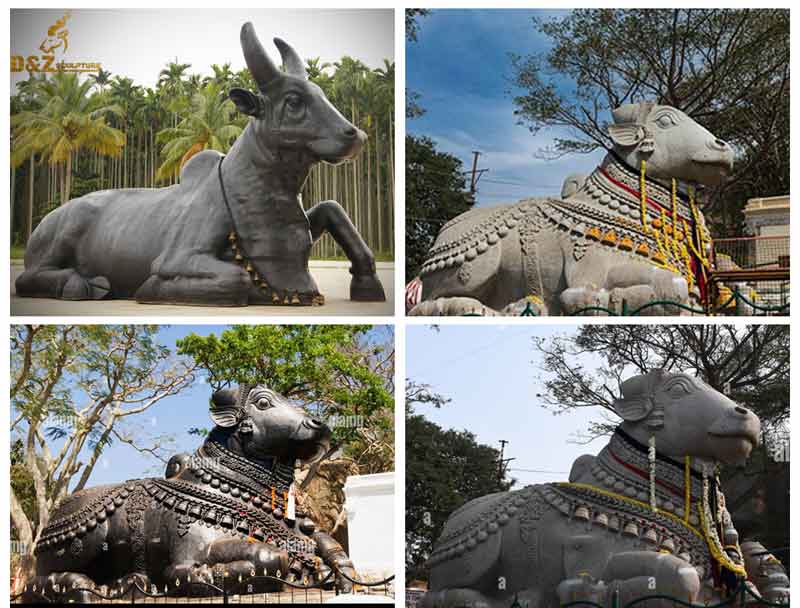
x=330, y=217
x=334, y=556
x=633, y=574
x=186, y=277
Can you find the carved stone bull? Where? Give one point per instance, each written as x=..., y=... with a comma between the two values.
x=233, y=231
x=613, y=528
x=618, y=234
x=225, y=511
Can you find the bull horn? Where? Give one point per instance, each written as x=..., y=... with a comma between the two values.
x=258, y=62
x=291, y=60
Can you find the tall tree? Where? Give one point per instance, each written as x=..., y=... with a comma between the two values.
x=435, y=193
x=722, y=67
x=72, y=390
x=210, y=123
x=70, y=120
x=340, y=372
x=749, y=363
x=445, y=469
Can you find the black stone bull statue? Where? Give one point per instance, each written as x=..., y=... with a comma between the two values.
x=225, y=511
x=233, y=231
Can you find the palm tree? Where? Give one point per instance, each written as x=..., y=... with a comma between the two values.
x=70, y=120
x=316, y=70
x=171, y=77
x=101, y=79
x=223, y=76
x=209, y=124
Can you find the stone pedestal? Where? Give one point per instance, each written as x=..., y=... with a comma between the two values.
x=369, y=502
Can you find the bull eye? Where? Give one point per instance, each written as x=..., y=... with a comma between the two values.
x=677, y=390
x=263, y=403
x=665, y=121
x=294, y=103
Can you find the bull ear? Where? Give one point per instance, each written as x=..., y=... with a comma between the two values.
x=636, y=403
x=225, y=410
x=258, y=62
x=626, y=135
x=291, y=60
x=247, y=102
x=633, y=410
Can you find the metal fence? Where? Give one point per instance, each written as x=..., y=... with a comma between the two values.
x=731, y=302
x=750, y=253
x=742, y=596
x=234, y=591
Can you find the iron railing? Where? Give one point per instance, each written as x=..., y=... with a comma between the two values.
x=230, y=591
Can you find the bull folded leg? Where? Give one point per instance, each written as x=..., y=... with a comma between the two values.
x=457, y=598
x=633, y=574
x=330, y=217
x=452, y=307
x=334, y=556
x=63, y=283
x=60, y=587
x=193, y=278
x=232, y=560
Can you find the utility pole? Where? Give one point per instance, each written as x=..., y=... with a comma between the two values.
x=501, y=465
x=476, y=173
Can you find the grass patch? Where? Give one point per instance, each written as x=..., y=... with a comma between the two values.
x=17, y=252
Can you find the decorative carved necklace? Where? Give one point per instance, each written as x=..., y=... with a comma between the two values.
x=216, y=465
x=240, y=257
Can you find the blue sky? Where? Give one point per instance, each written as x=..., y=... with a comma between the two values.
x=492, y=375
x=460, y=65
x=172, y=416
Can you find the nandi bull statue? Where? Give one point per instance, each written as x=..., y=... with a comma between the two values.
x=626, y=232
x=645, y=517
x=233, y=231
x=227, y=511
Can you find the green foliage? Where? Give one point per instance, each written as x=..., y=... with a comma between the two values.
x=726, y=68
x=435, y=193
x=22, y=482
x=71, y=388
x=335, y=370
x=209, y=123
x=412, y=27
x=445, y=469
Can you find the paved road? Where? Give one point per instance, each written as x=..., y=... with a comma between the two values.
x=333, y=279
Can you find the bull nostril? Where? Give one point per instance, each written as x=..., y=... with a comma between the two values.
x=313, y=423
x=350, y=132
x=741, y=410
x=720, y=144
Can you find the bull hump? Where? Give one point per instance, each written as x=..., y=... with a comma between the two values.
x=200, y=166
x=73, y=502
x=472, y=233
x=478, y=521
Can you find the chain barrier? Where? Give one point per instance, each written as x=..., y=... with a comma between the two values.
x=229, y=588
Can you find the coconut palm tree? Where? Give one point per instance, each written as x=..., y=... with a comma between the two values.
x=101, y=79
x=209, y=124
x=70, y=119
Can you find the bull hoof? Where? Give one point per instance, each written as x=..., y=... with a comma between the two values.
x=366, y=288
x=79, y=288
